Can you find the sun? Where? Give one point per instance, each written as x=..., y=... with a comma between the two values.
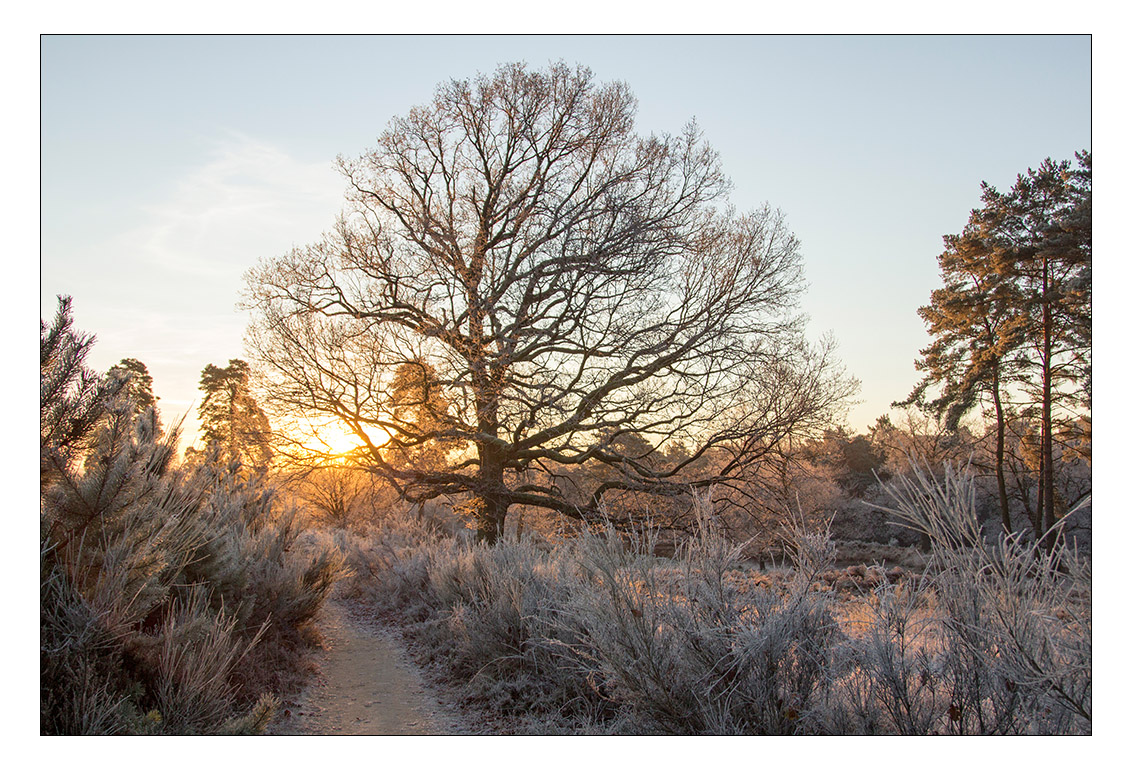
x=333, y=438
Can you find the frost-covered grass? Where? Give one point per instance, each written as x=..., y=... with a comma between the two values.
x=599, y=636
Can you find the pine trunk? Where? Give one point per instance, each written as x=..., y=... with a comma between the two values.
x=1002, y=490
x=1046, y=410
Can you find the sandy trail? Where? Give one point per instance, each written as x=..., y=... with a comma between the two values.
x=365, y=685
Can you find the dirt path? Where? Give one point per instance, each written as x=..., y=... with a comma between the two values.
x=365, y=685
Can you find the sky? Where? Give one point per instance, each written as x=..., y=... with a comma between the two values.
x=169, y=165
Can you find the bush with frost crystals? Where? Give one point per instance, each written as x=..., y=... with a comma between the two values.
x=489, y=617
x=255, y=574
x=598, y=634
x=503, y=610
x=997, y=642
x=391, y=564
x=688, y=651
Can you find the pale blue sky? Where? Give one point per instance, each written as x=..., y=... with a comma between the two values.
x=169, y=165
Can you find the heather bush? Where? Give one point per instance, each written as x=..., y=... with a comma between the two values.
x=487, y=615
x=601, y=635
x=196, y=651
x=256, y=574
x=83, y=686
x=691, y=652
x=390, y=565
x=502, y=606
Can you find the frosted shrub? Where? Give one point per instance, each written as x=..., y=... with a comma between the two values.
x=689, y=653
x=82, y=687
x=391, y=566
x=886, y=679
x=196, y=652
x=256, y=575
x=627, y=629
x=489, y=618
x=997, y=642
x=178, y=583
x=600, y=635
x=503, y=609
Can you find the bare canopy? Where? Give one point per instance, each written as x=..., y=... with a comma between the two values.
x=550, y=285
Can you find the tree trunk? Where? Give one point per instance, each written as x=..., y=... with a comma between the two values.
x=1002, y=490
x=1038, y=521
x=490, y=517
x=493, y=500
x=1046, y=411
x=490, y=523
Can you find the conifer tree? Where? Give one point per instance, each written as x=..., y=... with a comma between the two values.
x=422, y=412
x=139, y=383
x=230, y=416
x=1015, y=309
x=72, y=396
x=155, y=580
x=973, y=321
x=1043, y=249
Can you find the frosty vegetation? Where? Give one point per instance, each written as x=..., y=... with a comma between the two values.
x=168, y=600
x=596, y=634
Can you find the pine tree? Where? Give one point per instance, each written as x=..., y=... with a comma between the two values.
x=1015, y=310
x=139, y=383
x=116, y=531
x=974, y=323
x=230, y=416
x=420, y=423
x=1043, y=249
x=155, y=580
x=72, y=397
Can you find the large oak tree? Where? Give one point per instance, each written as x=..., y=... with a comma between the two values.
x=568, y=283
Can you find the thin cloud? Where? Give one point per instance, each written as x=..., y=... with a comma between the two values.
x=249, y=199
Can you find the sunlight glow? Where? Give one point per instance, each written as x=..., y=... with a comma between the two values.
x=334, y=438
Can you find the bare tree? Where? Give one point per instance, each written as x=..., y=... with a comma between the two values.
x=922, y=439
x=567, y=282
